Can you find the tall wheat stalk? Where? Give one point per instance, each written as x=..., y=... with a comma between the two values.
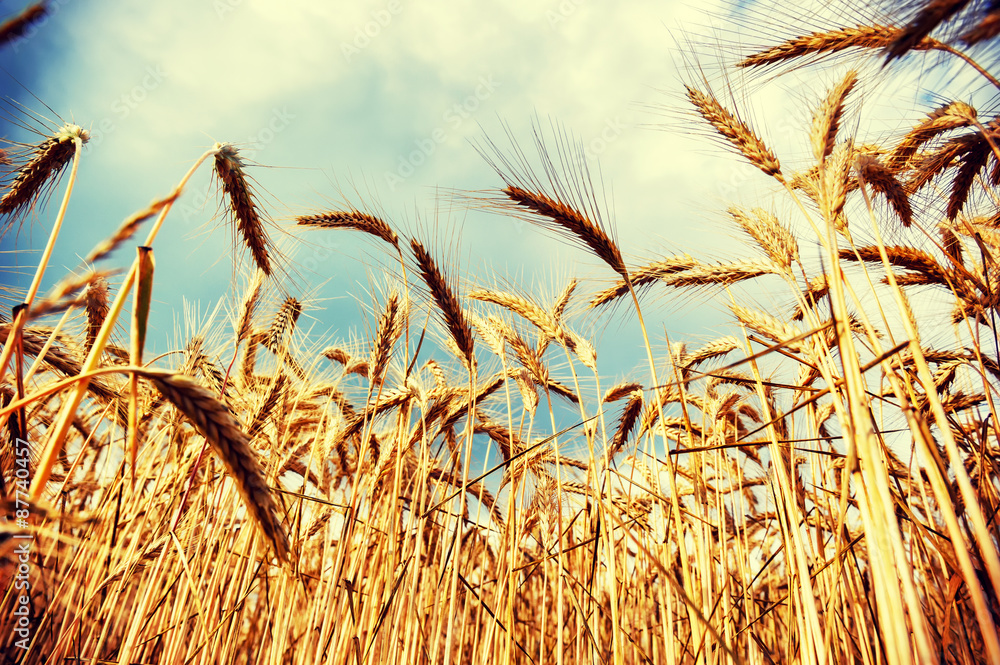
x=815, y=484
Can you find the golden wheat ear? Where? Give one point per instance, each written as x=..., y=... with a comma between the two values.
x=773, y=237
x=283, y=325
x=447, y=302
x=881, y=179
x=965, y=158
x=817, y=44
x=562, y=198
x=626, y=423
x=987, y=28
x=243, y=205
x=41, y=168
x=97, y=310
x=642, y=277
x=953, y=115
x=735, y=131
x=826, y=119
x=571, y=221
x=232, y=445
x=71, y=291
x=389, y=330
x=351, y=219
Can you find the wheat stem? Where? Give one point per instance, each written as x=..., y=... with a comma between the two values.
x=43, y=262
x=58, y=432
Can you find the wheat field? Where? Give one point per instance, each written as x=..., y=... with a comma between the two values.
x=818, y=484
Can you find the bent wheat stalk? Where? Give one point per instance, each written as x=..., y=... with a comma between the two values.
x=212, y=418
x=57, y=434
x=351, y=219
x=737, y=132
x=448, y=304
x=573, y=222
x=229, y=169
x=51, y=157
x=228, y=440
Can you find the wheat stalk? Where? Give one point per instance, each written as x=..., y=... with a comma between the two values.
x=881, y=179
x=970, y=164
x=834, y=182
x=769, y=326
x=275, y=393
x=902, y=256
x=97, y=309
x=644, y=276
x=248, y=308
x=59, y=298
x=529, y=310
x=620, y=391
x=572, y=221
x=626, y=423
x=283, y=325
x=127, y=229
x=816, y=289
x=953, y=115
x=951, y=245
x=723, y=273
x=954, y=149
x=770, y=234
x=715, y=349
x=388, y=332
x=562, y=300
x=987, y=28
x=525, y=385
x=931, y=15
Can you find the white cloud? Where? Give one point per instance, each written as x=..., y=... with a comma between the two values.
x=365, y=83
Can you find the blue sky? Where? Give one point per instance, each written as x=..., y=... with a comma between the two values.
x=380, y=97
x=384, y=98
x=381, y=101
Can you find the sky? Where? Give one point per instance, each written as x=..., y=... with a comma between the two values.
x=378, y=101
x=381, y=103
